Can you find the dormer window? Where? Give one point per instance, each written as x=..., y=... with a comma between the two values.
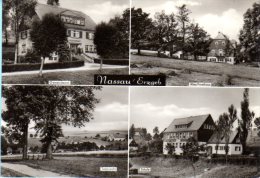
x=73, y=20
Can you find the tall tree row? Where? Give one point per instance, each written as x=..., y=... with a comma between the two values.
x=173, y=33
x=249, y=36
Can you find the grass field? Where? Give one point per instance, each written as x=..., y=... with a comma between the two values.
x=80, y=166
x=182, y=72
x=76, y=78
x=169, y=167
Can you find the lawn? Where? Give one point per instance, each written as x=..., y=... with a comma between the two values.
x=169, y=167
x=183, y=72
x=76, y=78
x=81, y=166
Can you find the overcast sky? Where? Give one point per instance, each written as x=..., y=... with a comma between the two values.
x=110, y=114
x=158, y=106
x=98, y=10
x=214, y=15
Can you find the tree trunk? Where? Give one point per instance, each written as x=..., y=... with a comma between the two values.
x=101, y=63
x=49, y=151
x=139, y=51
x=158, y=53
x=41, y=68
x=25, y=144
x=6, y=36
x=16, y=42
x=16, y=54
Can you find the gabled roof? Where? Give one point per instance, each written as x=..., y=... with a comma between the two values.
x=233, y=136
x=43, y=9
x=193, y=122
x=220, y=36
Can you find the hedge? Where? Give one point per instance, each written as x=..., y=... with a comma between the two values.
x=113, y=62
x=36, y=66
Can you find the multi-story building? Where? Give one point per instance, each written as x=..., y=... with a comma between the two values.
x=180, y=130
x=222, y=50
x=80, y=30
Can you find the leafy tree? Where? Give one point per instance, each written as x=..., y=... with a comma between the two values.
x=156, y=130
x=132, y=131
x=198, y=42
x=105, y=40
x=257, y=123
x=20, y=105
x=47, y=35
x=4, y=145
x=53, y=2
x=6, y=18
x=246, y=119
x=97, y=136
x=156, y=146
x=219, y=133
x=164, y=33
x=191, y=150
x=19, y=10
x=121, y=23
x=249, y=36
x=170, y=148
x=227, y=120
x=148, y=137
x=141, y=27
x=31, y=135
x=184, y=28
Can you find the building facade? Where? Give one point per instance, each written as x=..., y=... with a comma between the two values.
x=218, y=147
x=80, y=31
x=222, y=50
x=201, y=128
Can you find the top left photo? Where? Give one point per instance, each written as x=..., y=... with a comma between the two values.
x=63, y=41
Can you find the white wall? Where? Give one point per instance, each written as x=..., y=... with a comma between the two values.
x=231, y=151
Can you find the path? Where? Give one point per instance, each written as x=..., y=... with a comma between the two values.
x=26, y=170
x=87, y=66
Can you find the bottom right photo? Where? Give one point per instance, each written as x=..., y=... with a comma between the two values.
x=194, y=132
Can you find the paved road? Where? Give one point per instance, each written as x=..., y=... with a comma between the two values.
x=86, y=67
x=26, y=170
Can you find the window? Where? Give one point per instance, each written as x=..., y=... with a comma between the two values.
x=74, y=33
x=24, y=35
x=24, y=48
x=73, y=20
x=237, y=148
x=216, y=43
x=223, y=43
x=221, y=52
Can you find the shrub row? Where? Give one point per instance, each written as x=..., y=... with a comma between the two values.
x=113, y=62
x=236, y=160
x=36, y=66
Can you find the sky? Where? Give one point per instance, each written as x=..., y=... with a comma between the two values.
x=159, y=106
x=98, y=10
x=225, y=16
x=110, y=114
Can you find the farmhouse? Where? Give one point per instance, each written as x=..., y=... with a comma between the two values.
x=133, y=146
x=222, y=50
x=116, y=137
x=80, y=30
x=180, y=130
x=217, y=146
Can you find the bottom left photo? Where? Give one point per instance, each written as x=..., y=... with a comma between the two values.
x=68, y=131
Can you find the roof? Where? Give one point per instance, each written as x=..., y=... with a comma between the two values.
x=193, y=122
x=213, y=138
x=43, y=9
x=220, y=36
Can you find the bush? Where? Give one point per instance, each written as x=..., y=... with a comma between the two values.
x=8, y=56
x=30, y=57
x=113, y=62
x=36, y=66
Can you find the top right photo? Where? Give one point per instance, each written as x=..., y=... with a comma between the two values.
x=197, y=42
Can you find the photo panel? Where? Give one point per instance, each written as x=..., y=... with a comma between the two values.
x=63, y=131
x=197, y=42
x=194, y=132
x=64, y=41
